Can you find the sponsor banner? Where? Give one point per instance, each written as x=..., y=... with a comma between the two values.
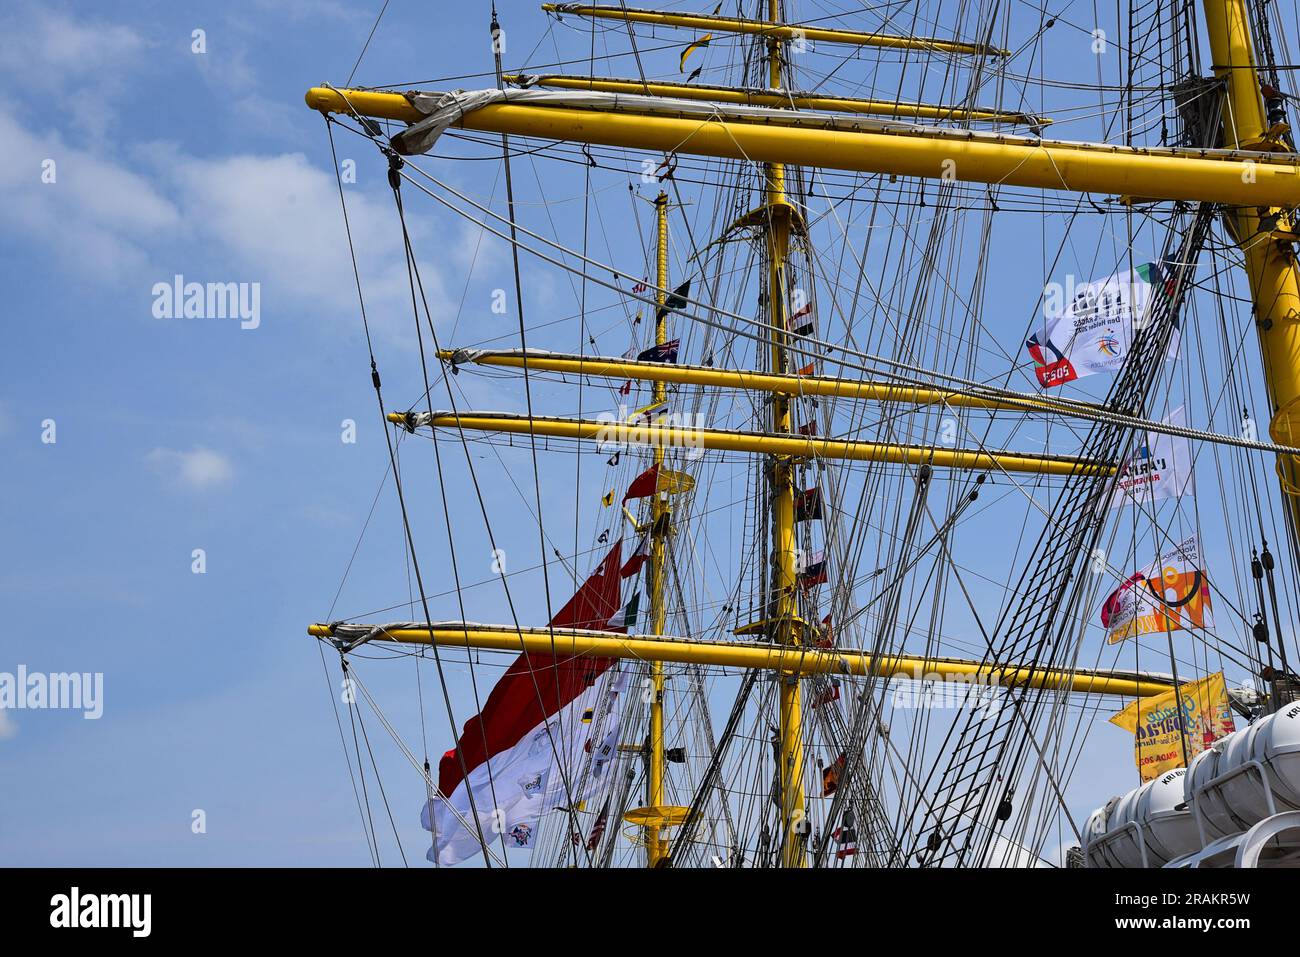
x=1159, y=468
x=1170, y=594
x=1090, y=328
x=1200, y=710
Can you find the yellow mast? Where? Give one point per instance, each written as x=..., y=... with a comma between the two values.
x=1248, y=173
x=656, y=845
x=803, y=659
x=1215, y=176
x=784, y=572
x=1260, y=232
x=772, y=29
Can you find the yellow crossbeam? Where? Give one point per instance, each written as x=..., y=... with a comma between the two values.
x=789, y=659
x=775, y=31
x=800, y=101
x=653, y=435
x=1234, y=177
x=872, y=391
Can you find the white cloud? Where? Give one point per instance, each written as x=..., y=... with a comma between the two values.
x=199, y=468
x=278, y=218
x=269, y=219
x=81, y=62
x=8, y=728
x=48, y=48
x=98, y=214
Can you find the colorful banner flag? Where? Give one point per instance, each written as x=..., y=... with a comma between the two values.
x=846, y=836
x=1090, y=329
x=676, y=300
x=699, y=44
x=1170, y=594
x=654, y=479
x=831, y=776
x=1201, y=709
x=598, y=829
x=1159, y=468
x=625, y=617
x=847, y=839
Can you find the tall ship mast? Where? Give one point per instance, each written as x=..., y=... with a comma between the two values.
x=932, y=496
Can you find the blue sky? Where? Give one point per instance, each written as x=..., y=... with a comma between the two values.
x=176, y=435
x=173, y=436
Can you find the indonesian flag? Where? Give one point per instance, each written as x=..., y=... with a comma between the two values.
x=516, y=755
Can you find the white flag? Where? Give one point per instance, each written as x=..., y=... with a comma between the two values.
x=1159, y=468
x=1089, y=328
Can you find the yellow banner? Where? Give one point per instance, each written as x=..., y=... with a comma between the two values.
x=1154, y=722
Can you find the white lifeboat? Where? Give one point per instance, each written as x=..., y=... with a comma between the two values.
x=1247, y=776
x=1147, y=827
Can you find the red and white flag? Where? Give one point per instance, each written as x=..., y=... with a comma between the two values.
x=510, y=756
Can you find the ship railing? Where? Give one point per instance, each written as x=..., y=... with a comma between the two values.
x=1245, y=849
x=1110, y=837
x=1202, y=792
